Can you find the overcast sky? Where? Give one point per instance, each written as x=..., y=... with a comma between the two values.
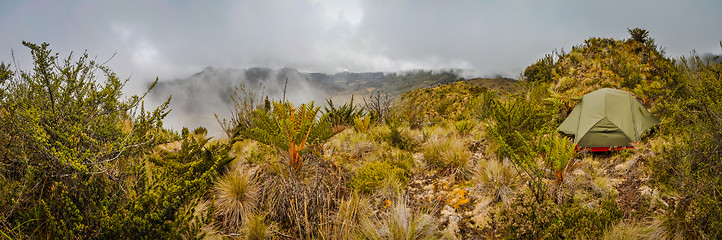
x=173, y=39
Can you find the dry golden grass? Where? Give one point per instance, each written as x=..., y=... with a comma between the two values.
x=401, y=223
x=237, y=195
x=625, y=230
x=497, y=179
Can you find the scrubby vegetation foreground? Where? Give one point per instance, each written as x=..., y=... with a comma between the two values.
x=457, y=161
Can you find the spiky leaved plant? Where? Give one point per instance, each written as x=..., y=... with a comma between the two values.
x=464, y=127
x=362, y=124
x=237, y=196
x=558, y=156
x=343, y=115
x=559, y=152
x=638, y=34
x=291, y=129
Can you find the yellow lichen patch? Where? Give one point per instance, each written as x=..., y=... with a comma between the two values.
x=457, y=198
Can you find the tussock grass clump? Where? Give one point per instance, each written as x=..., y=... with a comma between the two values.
x=401, y=222
x=353, y=211
x=360, y=145
x=498, y=180
x=625, y=230
x=237, y=195
x=447, y=154
x=303, y=203
x=257, y=228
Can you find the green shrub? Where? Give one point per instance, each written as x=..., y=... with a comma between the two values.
x=397, y=137
x=373, y=175
x=689, y=165
x=168, y=191
x=541, y=71
x=74, y=156
x=526, y=219
x=516, y=125
x=632, y=81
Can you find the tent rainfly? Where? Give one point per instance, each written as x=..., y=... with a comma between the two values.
x=607, y=119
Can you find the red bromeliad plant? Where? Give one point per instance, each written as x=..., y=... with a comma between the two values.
x=559, y=153
x=291, y=129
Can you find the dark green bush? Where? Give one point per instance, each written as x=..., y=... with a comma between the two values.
x=638, y=34
x=690, y=165
x=168, y=189
x=541, y=71
x=74, y=157
x=396, y=138
x=527, y=219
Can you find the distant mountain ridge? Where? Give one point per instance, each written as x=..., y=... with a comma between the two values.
x=197, y=97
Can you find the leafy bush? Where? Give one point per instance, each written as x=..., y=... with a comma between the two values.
x=541, y=71
x=373, y=175
x=516, y=125
x=71, y=148
x=525, y=219
x=690, y=166
x=246, y=100
x=167, y=192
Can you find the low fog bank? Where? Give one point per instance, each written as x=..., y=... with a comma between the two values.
x=197, y=98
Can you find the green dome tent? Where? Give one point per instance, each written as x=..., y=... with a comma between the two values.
x=607, y=119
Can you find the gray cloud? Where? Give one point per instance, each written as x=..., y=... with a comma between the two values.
x=175, y=39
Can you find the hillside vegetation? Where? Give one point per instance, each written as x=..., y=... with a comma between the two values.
x=454, y=161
